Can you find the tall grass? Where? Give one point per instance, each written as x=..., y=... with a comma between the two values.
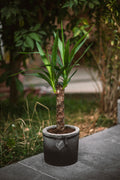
x=22, y=137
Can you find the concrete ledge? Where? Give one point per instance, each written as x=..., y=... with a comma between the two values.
x=99, y=159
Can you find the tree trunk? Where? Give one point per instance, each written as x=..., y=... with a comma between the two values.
x=14, y=67
x=60, y=107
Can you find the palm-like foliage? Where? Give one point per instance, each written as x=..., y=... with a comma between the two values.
x=58, y=68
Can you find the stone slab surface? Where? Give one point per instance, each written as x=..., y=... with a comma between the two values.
x=98, y=159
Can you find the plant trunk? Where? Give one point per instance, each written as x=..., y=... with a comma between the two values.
x=60, y=107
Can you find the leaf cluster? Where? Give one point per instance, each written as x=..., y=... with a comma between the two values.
x=57, y=67
x=81, y=3
x=20, y=27
x=25, y=39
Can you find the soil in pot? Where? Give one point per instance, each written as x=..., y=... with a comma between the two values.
x=57, y=131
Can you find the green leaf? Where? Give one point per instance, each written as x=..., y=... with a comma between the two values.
x=60, y=48
x=46, y=73
x=54, y=59
x=65, y=82
x=25, y=44
x=76, y=62
x=43, y=56
x=67, y=53
x=17, y=37
x=35, y=28
x=35, y=37
x=72, y=76
x=68, y=4
x=62, y=34
x=76, y=48
x=30, y=42
x=59, y=61
x=19, y=43
x=40, y=49
x=61, y=44
x=42, y=32
x=78, y=43
x=91, y=5
x=54, y=50
x=43, y=76
x=60, y=73
x=76, y=31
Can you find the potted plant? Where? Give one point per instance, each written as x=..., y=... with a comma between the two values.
x=60, y=140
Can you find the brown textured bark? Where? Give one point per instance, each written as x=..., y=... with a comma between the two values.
x=60, y=107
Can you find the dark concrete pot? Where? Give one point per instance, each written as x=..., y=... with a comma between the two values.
x=61, y=149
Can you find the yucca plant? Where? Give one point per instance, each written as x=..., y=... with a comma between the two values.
x=57, y=68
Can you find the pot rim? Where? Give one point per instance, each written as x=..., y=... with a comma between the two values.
x=48, y=134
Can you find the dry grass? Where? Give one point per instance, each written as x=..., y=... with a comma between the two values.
x=87, y=123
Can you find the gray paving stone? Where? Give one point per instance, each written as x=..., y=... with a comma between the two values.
x=78, y=171
x=96, y=160
x=19, y=172
x=66, y=172
x=113, y=170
